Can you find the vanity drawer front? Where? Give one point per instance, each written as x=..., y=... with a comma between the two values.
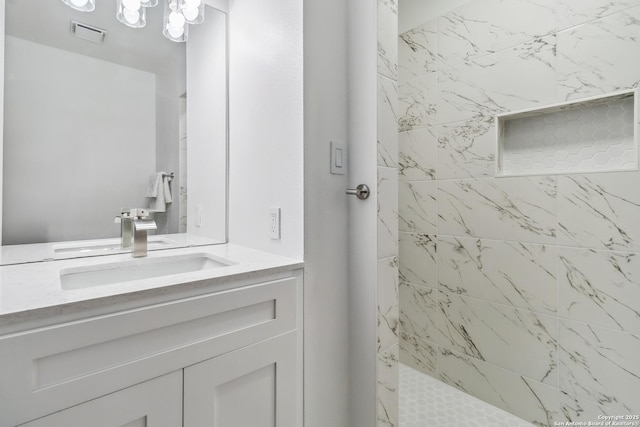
x=60, y=366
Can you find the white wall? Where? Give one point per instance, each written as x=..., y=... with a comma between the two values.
x=412, y=13
x=266, y=123
x=207, y=126
x=363, y=255
x=75, y=159
x=1, y=108
x=325, y=217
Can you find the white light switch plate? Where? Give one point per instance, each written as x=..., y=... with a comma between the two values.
x=338, y=158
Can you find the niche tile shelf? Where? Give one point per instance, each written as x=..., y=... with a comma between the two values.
x=590, y=135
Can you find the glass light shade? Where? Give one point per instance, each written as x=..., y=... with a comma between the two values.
x=131, y=14
x=193, y=11
x=81, y=5
x=174, y=25
x=132, y=5
x=176, y=19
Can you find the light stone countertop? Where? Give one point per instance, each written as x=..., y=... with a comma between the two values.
x=33, y=290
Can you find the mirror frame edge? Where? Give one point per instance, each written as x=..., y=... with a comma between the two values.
x=2, y=25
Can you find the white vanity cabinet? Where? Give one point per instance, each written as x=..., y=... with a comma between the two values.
x=154, y=403
x=226, y=358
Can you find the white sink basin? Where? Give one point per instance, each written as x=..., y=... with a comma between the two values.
x=102, y=246
x=139, y=269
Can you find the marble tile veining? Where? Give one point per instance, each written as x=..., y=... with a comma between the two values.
x=599, y=211
x=388, y=383
x=599, y=57
x=387, y=212
x=519, y=340
x=387, y=292
x=483, y=27
x=600, y=287
x=417, y=50
x=467, y=149
x=601, y=365
x=417, y=207
x=519, y=209
x=182, y=178
x=418, y=311
x=577, y=408
x=417, y=151
x=388, y=38
x=387, y=127
x=520, y=275
x=417, y=102
x=417, y=254
x=571, y=13
x=493, y=84
x=388, y=322
x=418, y=353
x=525, y=292
x=526, y=398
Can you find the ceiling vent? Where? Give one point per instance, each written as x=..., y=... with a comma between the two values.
x=87, y=32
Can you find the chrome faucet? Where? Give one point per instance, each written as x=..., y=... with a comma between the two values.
x=134, y=228
x=126, y=231
x=140, y=229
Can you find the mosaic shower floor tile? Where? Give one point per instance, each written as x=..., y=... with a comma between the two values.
x=427, y=402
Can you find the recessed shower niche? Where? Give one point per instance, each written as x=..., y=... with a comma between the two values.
x=590, y=135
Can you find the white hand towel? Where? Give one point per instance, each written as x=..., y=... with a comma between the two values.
x=167, y=189
x=157, y=204
x=155, y=183
x=159, y=192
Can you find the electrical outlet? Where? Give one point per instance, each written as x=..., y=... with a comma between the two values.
x=198, y=215
x=274, y=223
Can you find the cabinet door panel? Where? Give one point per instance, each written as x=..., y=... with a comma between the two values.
x=254, y=386
x=155, y=403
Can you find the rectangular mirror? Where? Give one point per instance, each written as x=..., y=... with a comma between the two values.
x=91, y=125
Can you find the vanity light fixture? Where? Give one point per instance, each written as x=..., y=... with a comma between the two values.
x=133, y=13
x=175, y=24
x=193, y=11
x=81, y=5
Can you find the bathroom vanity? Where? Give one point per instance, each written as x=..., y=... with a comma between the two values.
x=215, y=343
x=192, y=334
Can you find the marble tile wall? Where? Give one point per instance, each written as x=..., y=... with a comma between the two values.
x=388, y=351
x=182, y=160
x=522, y=291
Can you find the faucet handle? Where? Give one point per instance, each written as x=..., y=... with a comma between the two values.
x=136, y=213
x=141, y=213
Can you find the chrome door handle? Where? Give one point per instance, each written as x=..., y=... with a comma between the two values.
x=361, y=191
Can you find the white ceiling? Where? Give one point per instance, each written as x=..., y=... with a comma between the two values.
x=48, y=22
